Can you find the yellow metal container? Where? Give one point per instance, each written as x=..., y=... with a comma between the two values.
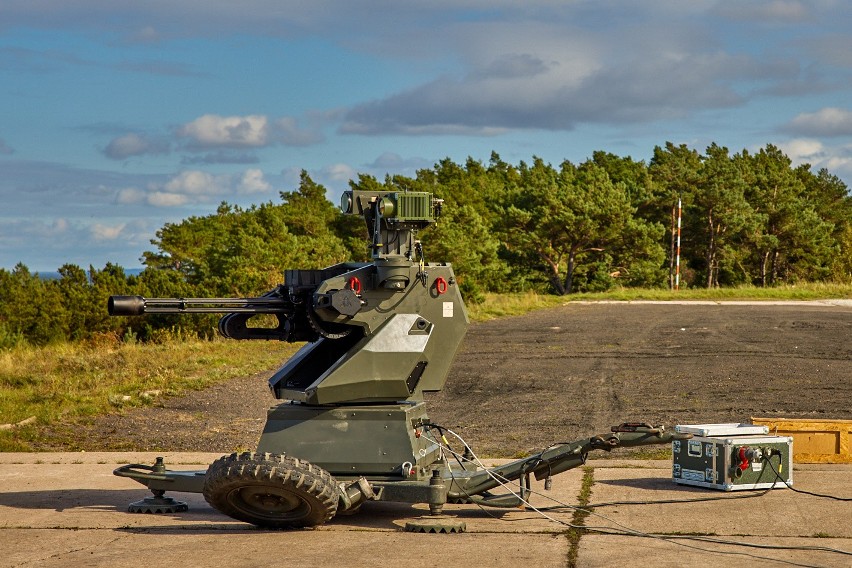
x=814, y=441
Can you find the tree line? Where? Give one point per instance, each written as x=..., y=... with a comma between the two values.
x=745, y=218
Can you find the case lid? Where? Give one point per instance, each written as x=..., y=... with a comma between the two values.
x=729, y=429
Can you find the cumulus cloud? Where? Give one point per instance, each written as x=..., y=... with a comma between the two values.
x=252, y=181
x=482, y=104
x=837, y=159
x=5, y=148
x=196, y=182
x=211, y=130
x=251, y=131
x=339, y=172
x=134, y=144
x=194, y=187
x=102, y=232
x=166, y=199
x=20, y=234
x=555, y=77
x=130, y=196
x=830, y=121
x=49, y=243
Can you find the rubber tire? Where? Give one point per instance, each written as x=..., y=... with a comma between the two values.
x=271, y=490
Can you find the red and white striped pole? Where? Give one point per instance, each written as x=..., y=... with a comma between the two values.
x=677, y=261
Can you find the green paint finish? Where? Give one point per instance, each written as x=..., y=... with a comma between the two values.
x=392, y=333
x=351, y=441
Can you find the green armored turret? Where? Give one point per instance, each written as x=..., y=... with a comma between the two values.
x=388, y=332
x=352, y=425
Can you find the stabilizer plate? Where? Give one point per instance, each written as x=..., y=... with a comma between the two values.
x=436, y=524
x=158, y=506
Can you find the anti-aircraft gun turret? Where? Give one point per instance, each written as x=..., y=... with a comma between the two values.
x=352, y=425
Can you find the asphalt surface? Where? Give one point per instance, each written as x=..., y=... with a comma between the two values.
x=67, y=509
x=519, y=384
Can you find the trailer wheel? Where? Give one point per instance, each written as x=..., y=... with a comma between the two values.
x=271, y=490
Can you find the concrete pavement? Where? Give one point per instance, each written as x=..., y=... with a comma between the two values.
x=69, y=510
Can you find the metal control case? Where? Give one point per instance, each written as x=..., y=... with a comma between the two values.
x=732, y=457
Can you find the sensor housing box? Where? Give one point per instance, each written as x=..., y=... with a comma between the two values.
x=732, y=457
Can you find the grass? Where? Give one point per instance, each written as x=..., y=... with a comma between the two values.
x=74, y=381
x=502, y=305
x=579, y=518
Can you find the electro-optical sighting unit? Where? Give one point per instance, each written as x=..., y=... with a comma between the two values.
x=352, y=425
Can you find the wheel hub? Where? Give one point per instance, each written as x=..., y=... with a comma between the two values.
x=263, y=502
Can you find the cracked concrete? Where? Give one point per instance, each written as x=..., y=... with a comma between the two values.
x=69, y=510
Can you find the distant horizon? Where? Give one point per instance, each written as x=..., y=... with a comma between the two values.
x=54, y=275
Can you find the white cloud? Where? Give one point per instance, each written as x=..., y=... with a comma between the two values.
x=836, y=159
x=252, y=181
x=555, y=76
x=251, y=131
x=5, y=148
x=134, y=144
x=194, y=187
x=340, y=172
x=166, y=199
x=196, y=182
x=830, y=121
x=130, y=196
x=212, y=130
x=106, y=232
x=44, y=245
x=802, y=149
x=124, y=146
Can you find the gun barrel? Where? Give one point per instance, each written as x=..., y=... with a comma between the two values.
x=138, y=305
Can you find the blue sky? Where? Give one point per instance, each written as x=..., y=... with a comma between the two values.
x=118, y=117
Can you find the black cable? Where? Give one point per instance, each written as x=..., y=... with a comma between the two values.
x=673, y=539
x=444, y=440
x=748, y=495
x=803, y=492
x=743, y=495
x=805, y=547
